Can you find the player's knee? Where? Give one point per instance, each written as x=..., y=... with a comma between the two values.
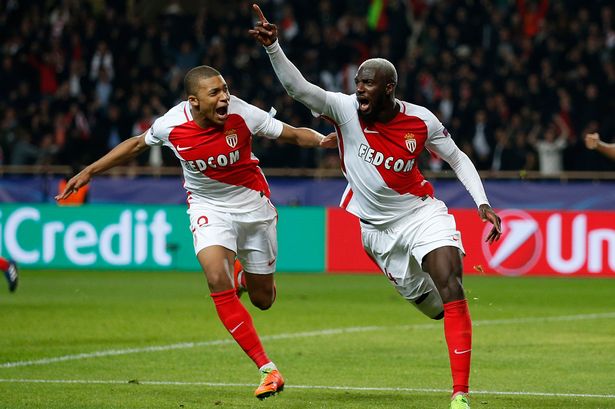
x=218, y=282
x=430, y=304
x=261, y=301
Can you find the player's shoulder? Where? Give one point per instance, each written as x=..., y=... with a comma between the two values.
x=174, y=117
x=340, y=107
x=244, y=109
x=239, y=106
x=349, y=100
x=177, y=115
x=410, y=109
x=418, y=111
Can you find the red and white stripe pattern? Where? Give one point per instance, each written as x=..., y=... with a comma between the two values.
x=380, y=159
x=219, y=168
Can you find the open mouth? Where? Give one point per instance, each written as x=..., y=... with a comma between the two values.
x=222, y=112
x=364, y=104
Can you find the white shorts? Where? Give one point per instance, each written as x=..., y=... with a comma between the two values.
x=252, y=236
x=398, y=249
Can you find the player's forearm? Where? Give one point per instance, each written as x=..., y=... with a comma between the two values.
x=293, y=81
x=468, y=175
x=304, y=137
x=308, y=138
x=122, y=153
x=607, y=149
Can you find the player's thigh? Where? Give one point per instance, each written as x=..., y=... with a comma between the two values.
x=445, y=266
x=217, y=263
x=390, y=250
x=436, y=229
x=257, y=243
x=215, y=244
x=212, y=228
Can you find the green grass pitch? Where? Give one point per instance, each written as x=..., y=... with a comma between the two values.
x=152, y=340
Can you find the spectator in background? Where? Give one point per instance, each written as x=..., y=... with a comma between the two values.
x=102, y=60
x=551, y=147
x=24, y=152
x=507, y=58
x=482, y=141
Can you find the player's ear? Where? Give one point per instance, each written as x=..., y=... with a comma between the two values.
x=390, y=88
x=193, y=100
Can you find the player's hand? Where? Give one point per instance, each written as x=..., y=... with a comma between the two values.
x=74, y=184
x=592, y=140
x=488, y=215
x=264, y=32
x=329, y=141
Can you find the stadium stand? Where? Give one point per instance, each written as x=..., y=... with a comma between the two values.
x=517, y=83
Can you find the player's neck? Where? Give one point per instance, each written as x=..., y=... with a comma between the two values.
x=201, y=121
x=388, y=112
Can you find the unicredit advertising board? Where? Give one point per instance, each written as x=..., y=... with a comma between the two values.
x=137, y=237
x=557, y=243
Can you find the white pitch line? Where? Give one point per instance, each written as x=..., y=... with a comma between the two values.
x=332, y=331
x=328, y=387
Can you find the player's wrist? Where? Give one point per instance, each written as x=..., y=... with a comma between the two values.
x=273, y=47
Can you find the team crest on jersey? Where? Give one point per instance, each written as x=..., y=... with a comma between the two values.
x=231, y=138
x=410, y=142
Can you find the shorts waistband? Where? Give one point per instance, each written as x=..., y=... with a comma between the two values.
x=391, y=223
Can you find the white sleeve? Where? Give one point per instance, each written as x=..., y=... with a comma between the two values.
x=440, y=142
x=158, y=133
x=294, y=83
x=270, y=127
x=258, y=121
x=151, y=138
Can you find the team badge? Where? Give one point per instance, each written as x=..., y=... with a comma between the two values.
x=231, y=138
x=410, y=142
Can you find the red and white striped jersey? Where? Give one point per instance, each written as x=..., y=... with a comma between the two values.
x=379, y=160
x=219, y=168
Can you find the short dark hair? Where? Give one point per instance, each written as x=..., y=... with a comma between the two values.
x=385, y=67
x=192, y=78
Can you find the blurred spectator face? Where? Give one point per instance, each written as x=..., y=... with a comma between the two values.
x=211, y=100
x=550, y=134
x=591, y=92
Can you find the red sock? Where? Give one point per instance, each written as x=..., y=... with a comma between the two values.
x=458, y=334
x=4, y=264
x=238, y=322
x=238, y=267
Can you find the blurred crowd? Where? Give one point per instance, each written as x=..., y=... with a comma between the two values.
x=518, y=83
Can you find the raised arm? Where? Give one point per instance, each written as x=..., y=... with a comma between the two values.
x=291, y=78
x=122, y=153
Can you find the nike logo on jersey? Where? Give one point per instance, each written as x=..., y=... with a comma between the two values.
x=184, y=148
x=369, y=130
x=270, y=263
x=461, y=352
x=376, y=158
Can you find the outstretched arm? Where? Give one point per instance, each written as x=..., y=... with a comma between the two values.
x=306, y=137
x=293, y=81
x=122, y=153
x=593, y=142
